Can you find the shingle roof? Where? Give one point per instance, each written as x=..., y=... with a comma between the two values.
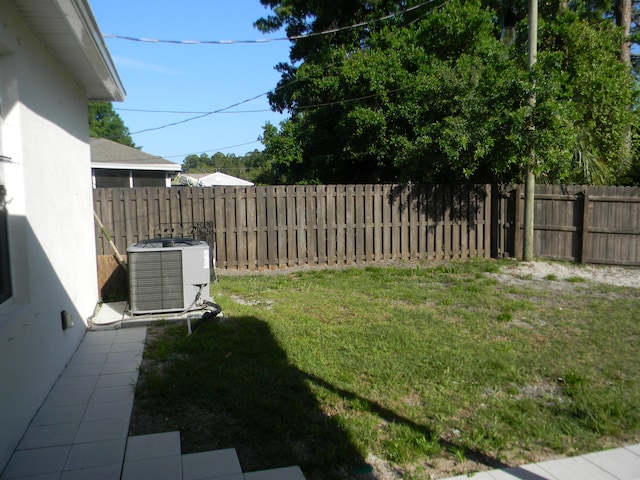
x=108, y=154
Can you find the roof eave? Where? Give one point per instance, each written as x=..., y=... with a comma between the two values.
x=80, y=46
x=130, y=166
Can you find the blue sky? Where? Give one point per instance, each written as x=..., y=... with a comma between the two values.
x=193, y=78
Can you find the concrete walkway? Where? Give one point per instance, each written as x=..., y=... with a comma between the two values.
x=616, y=464
x=81, y=429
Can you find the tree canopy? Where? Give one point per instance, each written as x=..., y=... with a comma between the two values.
x=248, y=167
x=430, y=94
x=104, y=122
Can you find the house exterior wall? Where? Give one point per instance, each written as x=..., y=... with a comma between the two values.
x=51, y=237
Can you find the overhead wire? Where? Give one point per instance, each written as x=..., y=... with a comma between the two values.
x=201, y=115
x=186, y=112
x=198, y=115
x=266, y=40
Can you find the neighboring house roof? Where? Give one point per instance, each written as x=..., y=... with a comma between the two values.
x=69, y=30
x=216, y=179
x=115, y=156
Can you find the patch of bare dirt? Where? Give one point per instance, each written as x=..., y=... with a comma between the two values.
x=523, y=272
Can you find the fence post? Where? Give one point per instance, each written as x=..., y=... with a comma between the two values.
x=517, y=232
x=584, y=240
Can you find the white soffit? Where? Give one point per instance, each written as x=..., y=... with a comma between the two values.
x=69, y=30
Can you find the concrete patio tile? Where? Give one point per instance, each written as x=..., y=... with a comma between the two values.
x=48, y=436
x=524, y=472
x=42, y=476
x=634, y=448
x=105, y=337
x=95, y=454
x=36, y=461
x=574, y=467
x=117, y=379
x=80, y=358
x=83, y=370
x=120, y=393
x=121, y=367
x=130, y=356
x=137, y=346
x=125, y=335
x=236, y=476
x=101, y=348
x=73, y=383
x=111, y=429
x=107, y=410
x=620, y=462
x=472, y=476
x=65, y=397
x=287, y=473
x=155, y=445
x=205, y=465
x=167, y=468
x=105, y=472
x=55, y=415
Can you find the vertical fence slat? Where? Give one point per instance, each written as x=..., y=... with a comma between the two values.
x=254, y=228
x=332, y=238
x=413, y=212
x=281, y=218
x=377, y=222
x=270, y=226
x=292, y=244
x=359, y=223
x=321, y=224
x=448, y=223
x=241, y=227
x=635, y=227
x=311, y=223
x=487, y=220
x=387, y=227
x=349, y=221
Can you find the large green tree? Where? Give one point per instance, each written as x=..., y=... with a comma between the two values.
x=433, y=95
x=104, y=122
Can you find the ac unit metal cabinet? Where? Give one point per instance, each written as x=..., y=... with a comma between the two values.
x=168, y=275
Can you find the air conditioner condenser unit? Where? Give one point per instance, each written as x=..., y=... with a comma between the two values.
x=168, y=275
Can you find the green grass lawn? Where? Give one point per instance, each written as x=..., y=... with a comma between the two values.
x=435, y=370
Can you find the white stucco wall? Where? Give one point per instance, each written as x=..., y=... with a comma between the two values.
x=52, y=246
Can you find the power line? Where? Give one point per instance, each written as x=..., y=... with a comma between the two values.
x=206, y=114
x=199, y=115
x=212, y=150
x=192, y=42
x=265, y=40
x=186, y=112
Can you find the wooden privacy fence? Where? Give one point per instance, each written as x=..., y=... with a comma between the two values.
x=574, y=223
x=268, y=227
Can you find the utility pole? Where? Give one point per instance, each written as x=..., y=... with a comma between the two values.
x=530, y=179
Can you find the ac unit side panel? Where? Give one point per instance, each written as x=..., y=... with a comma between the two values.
x=196, y=265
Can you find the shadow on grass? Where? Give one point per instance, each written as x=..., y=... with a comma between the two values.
x=231, y=385
x=392, y=417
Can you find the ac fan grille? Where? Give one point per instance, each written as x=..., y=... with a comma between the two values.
x=156, y=281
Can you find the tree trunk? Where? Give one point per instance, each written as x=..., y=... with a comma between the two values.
x=623, y=19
